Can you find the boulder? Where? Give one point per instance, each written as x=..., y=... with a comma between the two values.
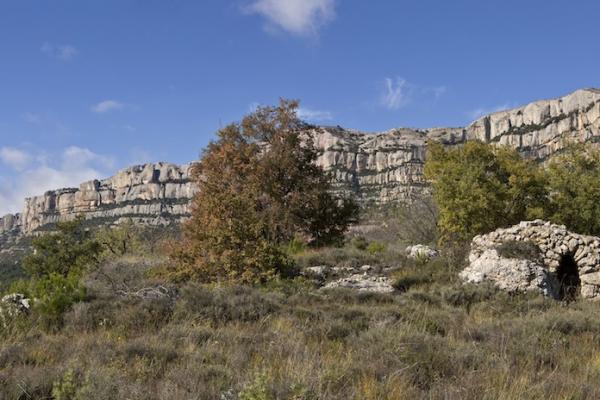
x=421, y=251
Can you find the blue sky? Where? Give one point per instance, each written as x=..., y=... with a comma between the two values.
x=87, y=87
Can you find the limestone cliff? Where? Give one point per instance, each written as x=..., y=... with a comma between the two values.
x=152, y=193
x=540, y=129
x=379, y=167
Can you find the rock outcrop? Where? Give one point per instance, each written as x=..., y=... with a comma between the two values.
x=540, y=129
x=375, y=168
x=565, y=262
x=363, y=283
x=152, y=194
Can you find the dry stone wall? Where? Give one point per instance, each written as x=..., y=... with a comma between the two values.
x=559, y=250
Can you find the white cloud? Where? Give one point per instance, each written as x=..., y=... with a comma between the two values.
x=298, y=17
x=396, y=93
x=43, y=172
x=63, y=52
x=106, y=106
x=480, y=112
x=14, y=158
x=308, y=114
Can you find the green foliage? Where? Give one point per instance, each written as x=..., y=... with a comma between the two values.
x=54, y=295
x=257, y=390
x=58, y=261
x=479, y=187
x=376, y=248
x=69, y=388
x=574, y=185
x=359, y=243
x=70, y=249
x=120, y=240
x=519, y=249
x=295, y=246
x=259, y=189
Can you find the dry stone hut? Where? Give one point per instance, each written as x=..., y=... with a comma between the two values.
x=537, y=255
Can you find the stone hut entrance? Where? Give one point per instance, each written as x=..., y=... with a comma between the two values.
x=567, y=275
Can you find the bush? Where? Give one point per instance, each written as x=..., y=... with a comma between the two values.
x=574, y=185
x=480, y=187
x=54, y=295
x=376, y=248
x=225, y=304
x=359, y=243
x=70, y=249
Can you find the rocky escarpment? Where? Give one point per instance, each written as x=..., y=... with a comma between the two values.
x=375, y=168
x=152, y=194
x=542, y=128
x=381, y=167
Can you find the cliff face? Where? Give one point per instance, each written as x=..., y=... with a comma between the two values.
x=540, y=129
x=152, y=193
x=379, y=168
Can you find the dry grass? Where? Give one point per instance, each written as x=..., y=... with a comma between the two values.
x=436, y=339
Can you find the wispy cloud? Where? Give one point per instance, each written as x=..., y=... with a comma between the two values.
x=298, y=17
x=480, y=112
x=308, y=114
x=35, y=172
x=62, y=52
x=14, y=158
x=397, y=92
x=107, y=106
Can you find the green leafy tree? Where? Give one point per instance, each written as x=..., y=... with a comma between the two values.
x=479, y=187
x=259, y=188
x=70, y=249
x=574, y=185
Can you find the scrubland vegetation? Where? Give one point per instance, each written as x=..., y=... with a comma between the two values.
x=286, y=339
x=222, y=310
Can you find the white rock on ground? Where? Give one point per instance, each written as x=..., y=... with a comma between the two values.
x=420, y=250
x=13, y=305
x=363, y=283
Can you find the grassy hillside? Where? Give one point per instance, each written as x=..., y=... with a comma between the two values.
x=434, y=338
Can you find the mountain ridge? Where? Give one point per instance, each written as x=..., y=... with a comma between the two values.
x=377, y=167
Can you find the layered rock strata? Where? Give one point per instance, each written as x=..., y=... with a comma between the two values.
x=152, y=194
x=375, y=168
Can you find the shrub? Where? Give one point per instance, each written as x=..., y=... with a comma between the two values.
x=257, y=389
x=54, y=295
x=225, y=304
x=574, y=185
x=70, y=249
x=376, y=248
x=479, y=187
x=359, y=243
